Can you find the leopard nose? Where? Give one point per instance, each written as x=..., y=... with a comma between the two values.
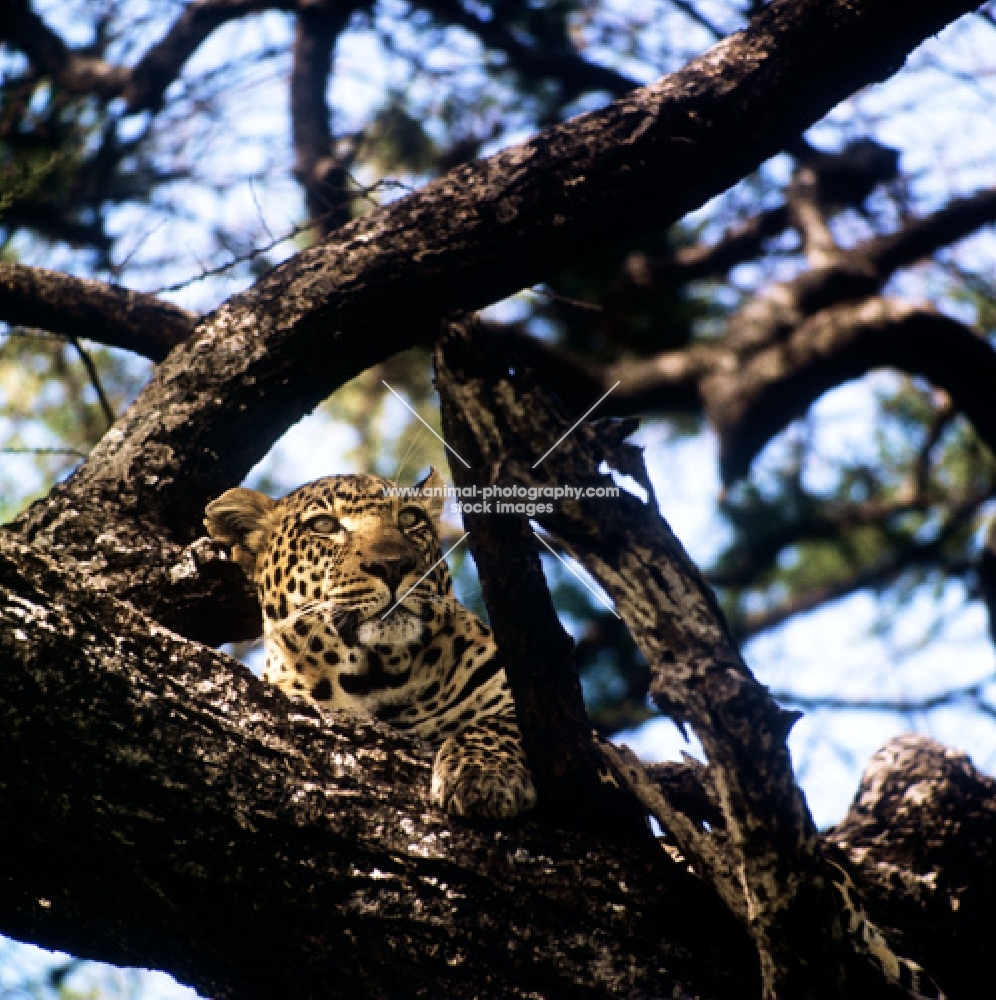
x=392, y=568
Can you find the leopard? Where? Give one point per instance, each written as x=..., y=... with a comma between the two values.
x=360, y=617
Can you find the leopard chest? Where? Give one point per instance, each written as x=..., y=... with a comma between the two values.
x=337, y=669
x=434, y=684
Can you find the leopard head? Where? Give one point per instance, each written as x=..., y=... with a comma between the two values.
x=356, y=554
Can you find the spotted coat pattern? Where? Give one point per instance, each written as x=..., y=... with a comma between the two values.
x=359, y=615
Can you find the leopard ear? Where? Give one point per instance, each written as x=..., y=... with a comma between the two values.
x=238, y=518
x=431, y=490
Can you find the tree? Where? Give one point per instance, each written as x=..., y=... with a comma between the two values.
x=163, y=808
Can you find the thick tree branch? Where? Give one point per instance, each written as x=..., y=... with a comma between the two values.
x=916, y=799
x=536, y=651
x=79, y=307
x=698, y=676
x=159, y=806
x=243, y=842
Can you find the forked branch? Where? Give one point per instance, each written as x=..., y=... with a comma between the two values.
x=790, y=893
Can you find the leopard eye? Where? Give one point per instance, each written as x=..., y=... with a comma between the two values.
x=324, y=524
x=410, y=516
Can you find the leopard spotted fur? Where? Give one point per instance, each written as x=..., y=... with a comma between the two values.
x=359, y=615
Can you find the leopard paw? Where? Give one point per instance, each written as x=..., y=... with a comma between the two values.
x=471, y=788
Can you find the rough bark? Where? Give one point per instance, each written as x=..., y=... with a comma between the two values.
x=163, y=807
x=766, y=862
x=243, y=842
x=550, y=710
x=917, y=801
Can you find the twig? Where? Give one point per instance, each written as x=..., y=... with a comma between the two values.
x=94, y=376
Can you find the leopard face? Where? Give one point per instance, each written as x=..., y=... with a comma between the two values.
x=359, y=615
x=344, y=554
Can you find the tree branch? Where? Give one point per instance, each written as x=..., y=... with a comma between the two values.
x=789, y=894
x=985, y=573
x=920, y=238
x=178, y=813
x=52, y=223
x=906, y=705
x=877, y=575
x=666, y=382
x=108, y=314
x=917, y=798
x=147, y=81
x=142, y=85
x=566, y=767
x=740, y=243
x=93, y=377
x=750, y=405
x=52, y=57
x=323, y=175
x=811, y=219
x=694, y=14
x=575, y=74
x=846, y=177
